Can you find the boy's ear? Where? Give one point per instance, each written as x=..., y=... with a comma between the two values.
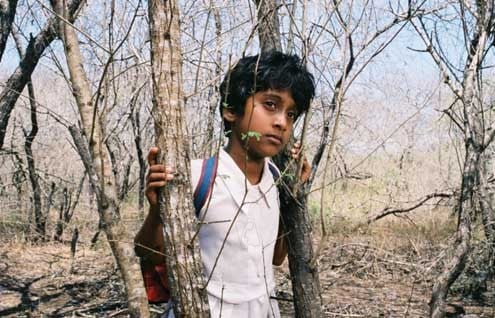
x=229, y=115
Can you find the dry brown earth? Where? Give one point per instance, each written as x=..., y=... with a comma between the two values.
x=380, y=273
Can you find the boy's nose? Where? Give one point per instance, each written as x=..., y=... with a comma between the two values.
x=281, y=121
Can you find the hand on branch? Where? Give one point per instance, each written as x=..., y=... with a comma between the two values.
x=296, y=151
x=158, y=175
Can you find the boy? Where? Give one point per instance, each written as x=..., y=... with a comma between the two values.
x=261, y=97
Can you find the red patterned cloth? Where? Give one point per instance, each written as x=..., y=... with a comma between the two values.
x=156, y=283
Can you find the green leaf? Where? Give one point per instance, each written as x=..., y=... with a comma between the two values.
x=251, y=134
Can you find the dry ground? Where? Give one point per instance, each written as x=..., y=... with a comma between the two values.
x=386, y=271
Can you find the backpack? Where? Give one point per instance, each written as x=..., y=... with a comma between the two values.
x=155, y=276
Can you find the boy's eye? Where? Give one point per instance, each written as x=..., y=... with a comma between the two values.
x=292, y=115
x=270, y=105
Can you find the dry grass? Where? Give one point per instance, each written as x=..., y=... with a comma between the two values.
x=385, y=270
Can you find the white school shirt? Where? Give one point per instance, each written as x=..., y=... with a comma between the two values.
x=244, y=268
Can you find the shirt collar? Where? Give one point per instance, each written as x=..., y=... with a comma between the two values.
x=231, y=174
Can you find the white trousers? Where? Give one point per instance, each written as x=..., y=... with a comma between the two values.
x=262, y=307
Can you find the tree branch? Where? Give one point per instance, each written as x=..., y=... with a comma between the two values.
x=21, y=76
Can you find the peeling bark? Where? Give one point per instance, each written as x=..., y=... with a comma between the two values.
x=182, y=254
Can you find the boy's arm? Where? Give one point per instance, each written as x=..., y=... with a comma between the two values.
x=281, y=250
x=149, y=243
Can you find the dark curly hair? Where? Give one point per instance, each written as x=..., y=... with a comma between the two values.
x=270, y=70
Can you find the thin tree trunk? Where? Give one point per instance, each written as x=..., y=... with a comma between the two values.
x=214, y=89
x=115, y=231
x=304, y=273
x=18, y=179
x=7, y=13
x=67, y=208
x=49, y=200
x=456, y=264
x=135, y=118
x=474, y=146
x=487, y=203
x=121, y=170
x=293, y=208
x=176, y=209
x=21, y=76
x=125, y=185
x=136, y=125
x=64, y=204
x=268, y=25
x=39, y=218
x=95, y=159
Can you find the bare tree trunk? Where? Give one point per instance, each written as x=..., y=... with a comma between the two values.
x=67, y=208
x=135, y=118
x=474, y=146
x=115, y=231
x=18, y=179
x=176, y=209
x=95, y=159
x=125, y=185
x=456, y=264
x=40, y=219
x=7, y=13
x=304, y=273
x=121, y=170
x=49, y=200
x=21, y=76
x=64, y=204
x=487, y=203
x=214, y=90
x=293, y=208
x=268, y=25
x=136, y=127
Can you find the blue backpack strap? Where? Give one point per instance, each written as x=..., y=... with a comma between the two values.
x=207, y=179
x=274, y=171
x=205, y=184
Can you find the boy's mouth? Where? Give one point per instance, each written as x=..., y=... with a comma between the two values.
x=275, y=139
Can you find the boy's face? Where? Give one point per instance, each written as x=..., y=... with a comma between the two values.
x=267, y=123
